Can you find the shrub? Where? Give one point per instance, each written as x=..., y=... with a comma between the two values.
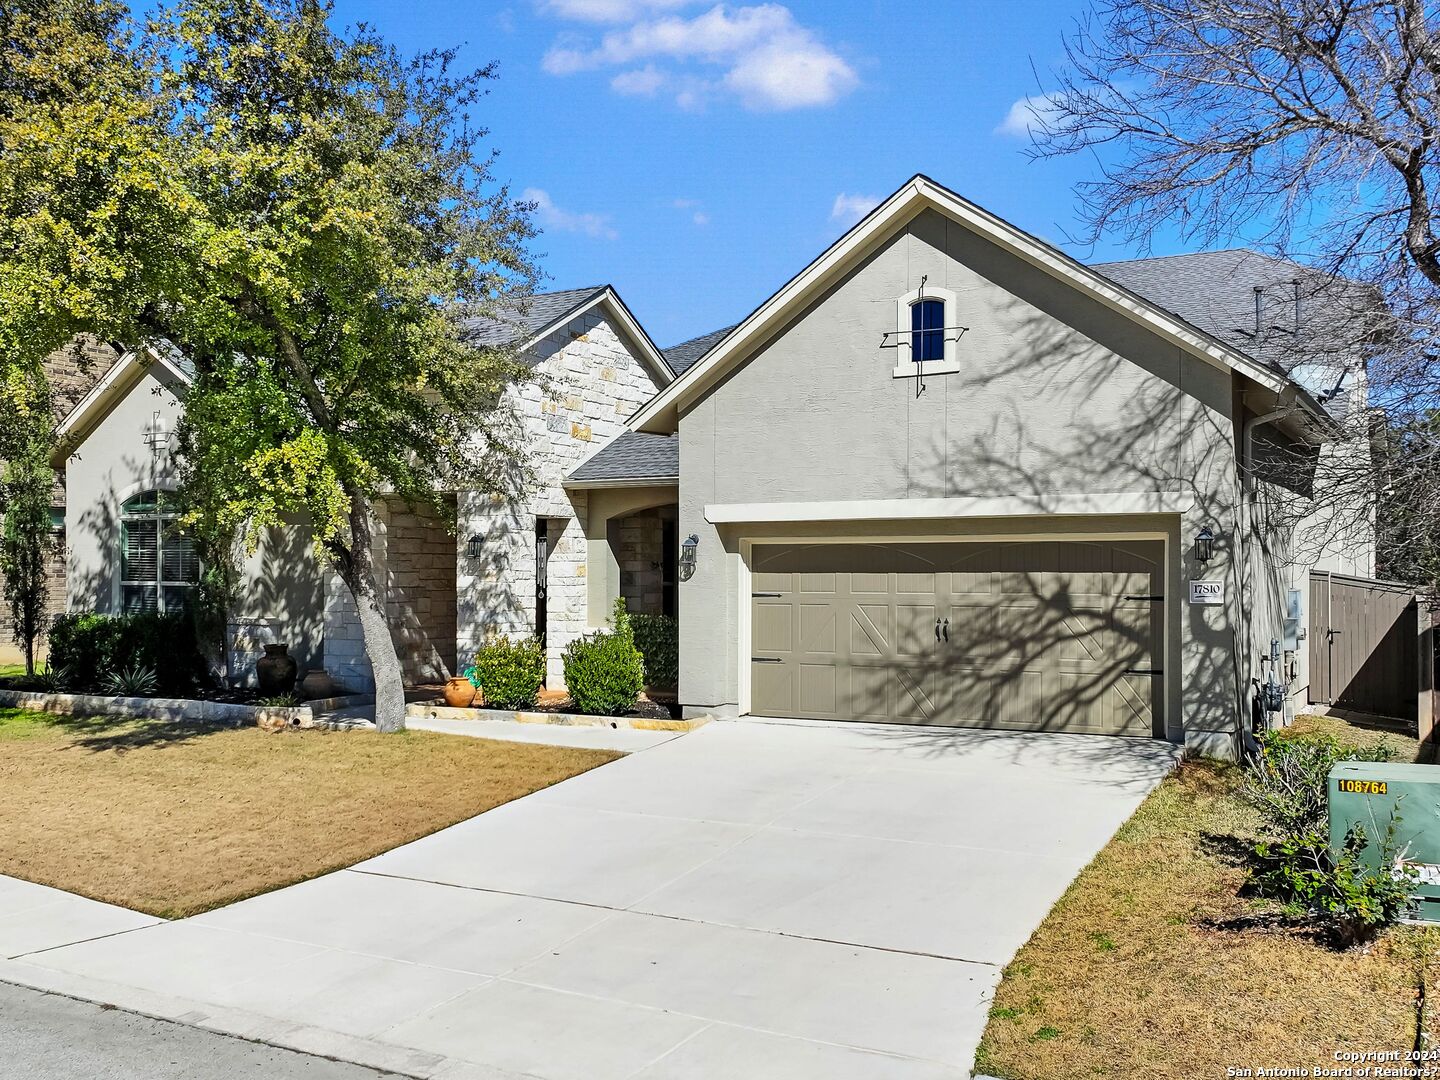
x=658, y=639
x=1353, y=896
x=605, y=671
x=89, y=648
x=510, y=673
x=1287, y=781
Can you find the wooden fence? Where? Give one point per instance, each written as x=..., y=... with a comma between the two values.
x=1365, y=645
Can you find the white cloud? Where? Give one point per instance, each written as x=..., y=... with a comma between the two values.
x=697, y=215
x=769, y=60
x=851, y=208
x=553, y=217
x=612, y=11
x=639, y=82
x=1026, y=115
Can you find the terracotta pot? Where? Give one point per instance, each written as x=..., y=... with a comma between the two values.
x=275, y=671
x=317, y=684
x=459, y=692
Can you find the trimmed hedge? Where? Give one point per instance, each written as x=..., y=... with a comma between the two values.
x=658, y=639
x=510, y=673
x=604, y=671
x=87, y=648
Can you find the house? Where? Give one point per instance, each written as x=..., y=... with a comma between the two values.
x=945, y=475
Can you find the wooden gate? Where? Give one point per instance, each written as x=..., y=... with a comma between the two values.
x=1364, y=645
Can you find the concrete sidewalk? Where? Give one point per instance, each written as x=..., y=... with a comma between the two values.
x=759, y=900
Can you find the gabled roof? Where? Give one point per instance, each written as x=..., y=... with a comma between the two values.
x=524, y=318
x=683, y=356
x=122, y=377
x=661, y=413
x=524, y=321
x=633, y=457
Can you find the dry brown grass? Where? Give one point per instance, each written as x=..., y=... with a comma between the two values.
x=1365, y=734
x=174, y=819
x=1138, y=971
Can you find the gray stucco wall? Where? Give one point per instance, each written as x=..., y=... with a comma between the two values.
x=1057, y=395
x=281, y=588
x=112, y=464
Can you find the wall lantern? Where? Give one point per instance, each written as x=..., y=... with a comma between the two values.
x=1204, y=545
x=474, y=547
x=687, y=556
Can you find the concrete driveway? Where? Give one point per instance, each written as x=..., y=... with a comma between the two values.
x=753, y=899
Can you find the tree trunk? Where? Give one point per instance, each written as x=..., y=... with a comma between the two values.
x=359, y=577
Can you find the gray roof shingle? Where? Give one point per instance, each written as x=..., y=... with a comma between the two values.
x=1215, y=291
x=633, y=455
x=524, y=317
x=682, y=357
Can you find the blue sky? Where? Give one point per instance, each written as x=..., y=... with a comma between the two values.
x=696, y=157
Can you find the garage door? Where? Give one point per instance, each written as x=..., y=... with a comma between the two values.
x=1025, y=636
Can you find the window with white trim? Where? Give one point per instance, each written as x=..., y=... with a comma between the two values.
x=159, y=567
x=925, y=332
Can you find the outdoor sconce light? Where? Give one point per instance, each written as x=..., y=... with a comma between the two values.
x=1204, y=545
x=474, y=547
x=687, y=556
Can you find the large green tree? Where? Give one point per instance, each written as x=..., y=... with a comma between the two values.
x=314, y=223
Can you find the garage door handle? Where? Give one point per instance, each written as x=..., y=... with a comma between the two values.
x=766, y=660
x=1144, y=671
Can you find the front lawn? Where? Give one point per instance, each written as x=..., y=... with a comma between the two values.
x=1152, y=964
x=174, y=819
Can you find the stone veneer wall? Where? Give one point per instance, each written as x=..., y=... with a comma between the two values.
x=639, y=548
x=588, y=383
x=420, y=592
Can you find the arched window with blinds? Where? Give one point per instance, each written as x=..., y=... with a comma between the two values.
x=158, y=563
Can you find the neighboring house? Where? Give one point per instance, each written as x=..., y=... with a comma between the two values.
x=508, y=565
x=946, y=475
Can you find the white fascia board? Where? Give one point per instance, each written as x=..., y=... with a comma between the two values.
x=660, y=414
x=1080, y=504
x=129, y=363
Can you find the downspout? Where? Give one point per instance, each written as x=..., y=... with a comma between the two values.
x=1247, y=494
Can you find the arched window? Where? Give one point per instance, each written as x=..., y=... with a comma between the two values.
x=927, y=330
x=926, y=333
x=158, y=564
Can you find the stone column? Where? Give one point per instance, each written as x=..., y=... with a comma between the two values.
x=494, y=593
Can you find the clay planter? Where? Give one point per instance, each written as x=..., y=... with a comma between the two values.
x=275, y=671
x=459, y=692
x=317, y=684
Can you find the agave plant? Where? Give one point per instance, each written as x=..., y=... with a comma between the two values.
x=53, y=680
x=137, y=680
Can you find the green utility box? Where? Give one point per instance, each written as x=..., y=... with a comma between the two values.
x=1368, y=792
